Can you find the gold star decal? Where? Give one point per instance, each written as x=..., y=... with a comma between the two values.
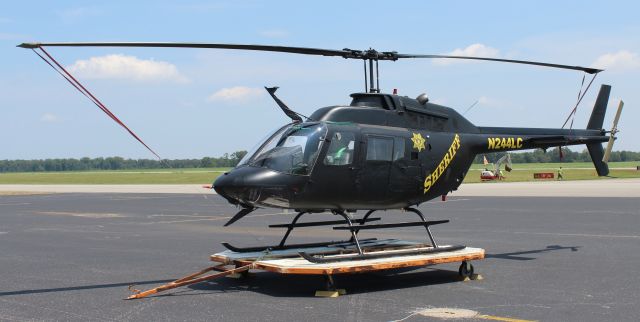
x=418, y=141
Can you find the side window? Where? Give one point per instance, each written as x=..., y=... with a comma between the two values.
x=398, y=148
x=340, y=151
x=379, y=149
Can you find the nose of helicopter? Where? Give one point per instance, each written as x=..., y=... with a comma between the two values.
x=229, y=185
x=252, y=186
x=244, y=185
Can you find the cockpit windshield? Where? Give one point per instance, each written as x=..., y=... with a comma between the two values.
x=291, y=149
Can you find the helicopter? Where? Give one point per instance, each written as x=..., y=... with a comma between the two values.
x=380, y=152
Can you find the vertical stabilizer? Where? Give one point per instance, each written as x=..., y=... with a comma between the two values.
x=599, y=108
x=595, y=123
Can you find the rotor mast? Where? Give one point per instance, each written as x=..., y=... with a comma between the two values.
x=371, y=56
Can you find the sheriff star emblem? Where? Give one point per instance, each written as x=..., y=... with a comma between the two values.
x=418, y=141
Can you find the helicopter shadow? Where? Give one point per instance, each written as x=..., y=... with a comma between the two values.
x=271, y=284
x=517, y=255
x=304, y=285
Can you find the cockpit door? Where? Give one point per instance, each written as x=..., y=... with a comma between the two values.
x=334, y=176
x=405, y=178
x=373, y=178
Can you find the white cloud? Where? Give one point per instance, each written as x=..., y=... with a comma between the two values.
x=478, y=50
x=483, y=100
x=620, y=61
x=74, y=14
x=236, y=94
x=274, y=33
x=126, y=67
x=49, y=118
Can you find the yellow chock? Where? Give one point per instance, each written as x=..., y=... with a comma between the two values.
x=327, y=293
x=234, y=275
x=465, y=279
x=341, y=291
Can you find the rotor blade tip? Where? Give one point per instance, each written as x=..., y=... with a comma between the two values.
x=593, y=70
x=29, y=45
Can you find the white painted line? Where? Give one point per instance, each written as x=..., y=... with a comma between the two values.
x=578, y=188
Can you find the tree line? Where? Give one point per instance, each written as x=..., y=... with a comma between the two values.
x=553, y=155
x=231, y=160
x=118, y=163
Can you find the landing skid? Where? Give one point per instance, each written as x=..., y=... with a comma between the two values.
x=290, y=246
x=354, y=248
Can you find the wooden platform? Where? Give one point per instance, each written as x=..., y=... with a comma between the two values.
x=336, y=258
x=289, y=262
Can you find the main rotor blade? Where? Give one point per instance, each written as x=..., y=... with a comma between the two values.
x=371, y=54
x=587, y=70
x=284, y=49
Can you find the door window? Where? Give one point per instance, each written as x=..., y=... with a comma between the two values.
x=379, y=149
x=398, y=148
x=341, y=149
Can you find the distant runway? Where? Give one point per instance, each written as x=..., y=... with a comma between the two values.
x=71, y=256
x=579, y=188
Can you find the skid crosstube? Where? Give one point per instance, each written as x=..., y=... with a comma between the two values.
x=392, y=225
x=314, y=258
x=322, y=223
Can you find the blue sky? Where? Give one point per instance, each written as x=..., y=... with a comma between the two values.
x=195, y=103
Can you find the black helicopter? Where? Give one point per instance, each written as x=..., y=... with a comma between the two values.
x=382, y=151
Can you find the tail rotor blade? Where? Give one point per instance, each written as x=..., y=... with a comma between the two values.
x=614, y=130
x=607, y=152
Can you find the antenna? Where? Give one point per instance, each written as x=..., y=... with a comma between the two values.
x=470, y=107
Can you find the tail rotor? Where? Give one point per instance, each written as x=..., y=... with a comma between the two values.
x=612, y=137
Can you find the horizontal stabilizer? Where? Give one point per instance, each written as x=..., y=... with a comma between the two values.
x=560, y=140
